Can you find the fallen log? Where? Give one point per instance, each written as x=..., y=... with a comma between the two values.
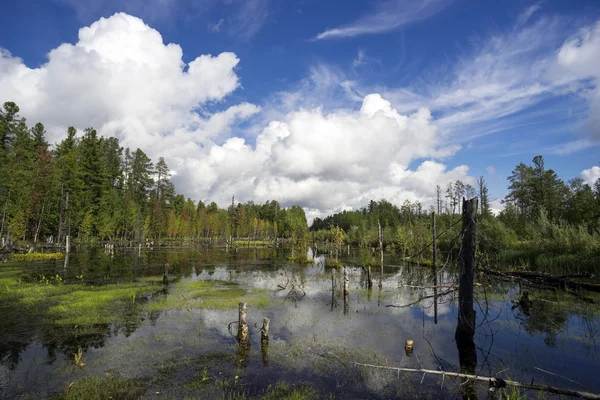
x=544, y=280
x=494, y=382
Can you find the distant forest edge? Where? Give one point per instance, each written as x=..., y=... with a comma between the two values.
x=89, y=187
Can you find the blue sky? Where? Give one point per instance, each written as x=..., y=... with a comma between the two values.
x=317, y=102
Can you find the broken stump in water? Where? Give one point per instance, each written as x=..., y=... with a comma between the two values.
x=264, y=331
x=408, y=348
x=242, y=324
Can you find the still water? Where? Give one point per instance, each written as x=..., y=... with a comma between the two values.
x=166, y=346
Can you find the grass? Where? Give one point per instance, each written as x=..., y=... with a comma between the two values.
x=96, y=305
x=37, y=256
x=252, y=243
x=77, y=304
x=213, y=294
x=111, y=387
x=332, y=262
x=551, y=263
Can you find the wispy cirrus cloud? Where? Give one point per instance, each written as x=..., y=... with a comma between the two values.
x=387, y=16
x=240, y=18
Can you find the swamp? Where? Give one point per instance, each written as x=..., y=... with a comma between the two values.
x=127, y=323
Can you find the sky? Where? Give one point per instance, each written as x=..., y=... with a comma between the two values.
x=325, y=104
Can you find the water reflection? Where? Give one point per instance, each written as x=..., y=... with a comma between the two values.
x=304, y=313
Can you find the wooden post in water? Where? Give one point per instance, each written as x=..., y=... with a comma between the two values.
x=332, y=290
x=369, y=278
x=465, y=328
x=346, y=292
x=380, y=241
x=264, y=342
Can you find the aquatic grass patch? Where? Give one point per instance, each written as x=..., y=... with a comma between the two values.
x=78, y=304
x=111, y=387
x=96, y=305
x=212, y=294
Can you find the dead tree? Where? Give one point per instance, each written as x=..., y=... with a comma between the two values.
x=465, y=328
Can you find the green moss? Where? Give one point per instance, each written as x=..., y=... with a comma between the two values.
x=37, y=256
x=111, y=387
x=212, y=294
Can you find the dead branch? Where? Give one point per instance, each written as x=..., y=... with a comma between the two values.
x=494, y=382
x=425, y=297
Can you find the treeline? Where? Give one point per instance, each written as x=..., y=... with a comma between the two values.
x=90, y=187
x=545, y=221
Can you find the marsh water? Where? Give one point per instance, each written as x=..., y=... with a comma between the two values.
x=178, y=340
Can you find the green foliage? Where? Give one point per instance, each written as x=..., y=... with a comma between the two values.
x=493, y=236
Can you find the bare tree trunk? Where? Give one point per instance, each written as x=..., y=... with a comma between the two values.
x=465, y=329
x=4, y=213
x=39, y=225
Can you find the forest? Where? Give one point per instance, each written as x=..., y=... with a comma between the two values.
x=91, y=188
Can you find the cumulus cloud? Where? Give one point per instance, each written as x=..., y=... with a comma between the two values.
x=329, y=161
x=590, y=176
x=121, y=78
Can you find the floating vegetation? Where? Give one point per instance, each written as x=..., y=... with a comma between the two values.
x=213, y=294
x=37, y=256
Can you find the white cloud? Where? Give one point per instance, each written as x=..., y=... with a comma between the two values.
x=579, y=57
x=590, y=176
x=528, y=12
x=489, y=88
x=491, y=170
x=122, y=79
x=248, y=18
x=388, y=15
x=329, y=161
x=360, y=58
x=217, y=27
